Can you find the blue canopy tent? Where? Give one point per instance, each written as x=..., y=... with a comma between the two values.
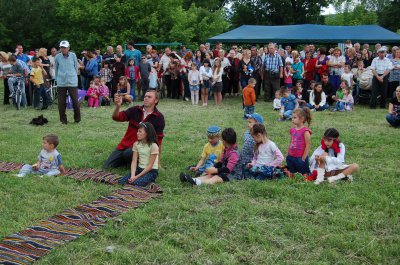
x=306, y=33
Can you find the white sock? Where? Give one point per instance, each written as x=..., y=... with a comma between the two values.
x=198, y=181
x=335, y=178
x=320, y=176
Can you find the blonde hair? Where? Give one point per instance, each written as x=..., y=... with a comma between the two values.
x=4, y=55
x=42, y=52
x=305, y=113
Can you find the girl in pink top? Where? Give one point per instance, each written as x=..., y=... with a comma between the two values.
x=93, y=94
x=297, y=159
x=267, y=155
x=287, y=77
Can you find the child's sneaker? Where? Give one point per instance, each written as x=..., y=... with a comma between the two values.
x=190, y=180
x=182, y=177
x=19, y=175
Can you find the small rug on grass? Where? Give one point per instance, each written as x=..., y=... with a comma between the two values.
x=36, y=241
x=10, y=166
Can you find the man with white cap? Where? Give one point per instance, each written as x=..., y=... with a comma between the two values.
x=380, y=67
x=66, y=71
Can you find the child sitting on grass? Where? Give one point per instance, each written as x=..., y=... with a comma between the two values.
x=93, y=94
x=247, y=154
x=249, y=97
x=288, y=104
x=145, y=152
x=298, y=93
x=328, y=159
x=393, y=117
x=49, y=160
x=104, y=98
x=345, y=104
x=212, y=151
x=277, y=101
x=267, y=155
x=228, y=168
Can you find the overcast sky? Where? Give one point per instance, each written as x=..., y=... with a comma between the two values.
x=328, y=10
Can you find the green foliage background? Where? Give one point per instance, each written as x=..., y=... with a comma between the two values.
x=99, y=23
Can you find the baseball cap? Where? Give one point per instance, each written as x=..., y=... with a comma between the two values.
x=382, y=49
x=64, y=44
x=213, y=130
x=255, y=116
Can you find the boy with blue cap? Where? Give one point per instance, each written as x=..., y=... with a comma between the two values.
x=212, y=151
x=248, y=143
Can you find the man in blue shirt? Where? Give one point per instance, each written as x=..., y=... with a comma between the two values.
x=19, y=53
x=131, y=52
x=273, y=71
x=66, y=71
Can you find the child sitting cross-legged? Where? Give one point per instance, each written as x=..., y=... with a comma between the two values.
x=144, y=167
x=49, y=159
x=228, y=168
x=211, y=152
x=247, y=154
x=267, y=155
x=328, y=159
x=288, y=104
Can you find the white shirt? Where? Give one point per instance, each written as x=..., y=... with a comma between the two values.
x=336, y=60
x=164, y=61
x=312, y=99
x=204, y=74
x=380, y=66
x=332, y=162
x=224, y=63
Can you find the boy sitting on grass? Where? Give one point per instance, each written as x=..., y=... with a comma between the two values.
x=228, y=168
x=247, y=154
x=49, y=159
x=211, y=152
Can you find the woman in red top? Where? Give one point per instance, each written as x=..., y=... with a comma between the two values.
x=309, y=69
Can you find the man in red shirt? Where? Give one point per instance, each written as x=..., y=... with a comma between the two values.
x=148, y=112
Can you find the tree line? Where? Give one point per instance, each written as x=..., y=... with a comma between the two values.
x=97, y=23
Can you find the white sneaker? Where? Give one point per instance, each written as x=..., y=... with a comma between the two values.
x=350, y=178
x=318, y=181
x=19, y=175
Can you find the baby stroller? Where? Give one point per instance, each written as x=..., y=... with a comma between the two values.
x=365, y=87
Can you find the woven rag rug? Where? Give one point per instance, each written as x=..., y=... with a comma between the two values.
x=36, y=241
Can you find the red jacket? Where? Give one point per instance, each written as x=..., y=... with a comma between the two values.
x=137, y=76
x=309, y=69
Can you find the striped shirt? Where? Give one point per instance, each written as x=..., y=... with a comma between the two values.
x=380, y=66
x=273, y=63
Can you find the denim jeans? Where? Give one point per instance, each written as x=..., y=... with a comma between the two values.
x=132, y=84
x=37, y=93
x=320, y=108
x=296, y=164
x=262, y=172
x=287, y=114
x=393, y=120
x=28, y=169
x=334, y=80
x=339, y=106
x=119, y=158
x=248, y=110
x=142, y=181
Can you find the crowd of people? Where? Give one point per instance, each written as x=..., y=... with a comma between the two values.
x=314, y=77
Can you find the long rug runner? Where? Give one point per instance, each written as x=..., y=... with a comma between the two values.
x=36, y=241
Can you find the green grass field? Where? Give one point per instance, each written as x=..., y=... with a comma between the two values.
x=247, y=222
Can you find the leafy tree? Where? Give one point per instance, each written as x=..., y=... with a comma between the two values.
x=108, y=22
x=210, y=5
x=388, y=16
x=358, y=16
x=276, y=12
x=31, y=22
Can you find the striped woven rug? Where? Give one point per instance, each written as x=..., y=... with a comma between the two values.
x=36, y=241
